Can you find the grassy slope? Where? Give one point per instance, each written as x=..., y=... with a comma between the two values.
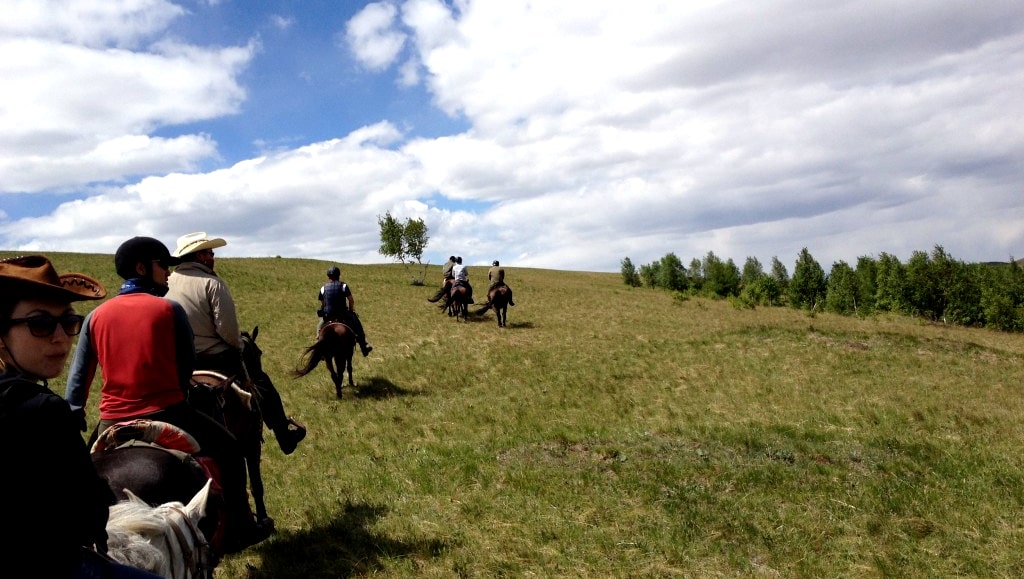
x=612, y=431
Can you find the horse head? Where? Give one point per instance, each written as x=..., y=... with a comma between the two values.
x=165, y=539
x=252, y=355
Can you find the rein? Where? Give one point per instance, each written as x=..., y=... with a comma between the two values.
x=197, y=561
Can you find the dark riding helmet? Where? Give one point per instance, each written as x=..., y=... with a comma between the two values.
x=495, y=262
x=141, y=250
x=333, y=272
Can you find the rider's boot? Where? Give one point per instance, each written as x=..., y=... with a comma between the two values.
x=288, y=438
x=243, y=530
x=366, y=348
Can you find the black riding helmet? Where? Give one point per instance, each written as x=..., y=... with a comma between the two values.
x=333, y=272
x=141, y=250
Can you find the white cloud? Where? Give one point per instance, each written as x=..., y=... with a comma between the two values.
x=68, y=109
x=623, y=129
x=95, y=23
x=282, y=22
x=371, y=36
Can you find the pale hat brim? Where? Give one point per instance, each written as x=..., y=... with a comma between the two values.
x=198, y=241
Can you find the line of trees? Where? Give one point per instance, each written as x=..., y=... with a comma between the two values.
x=932, y=285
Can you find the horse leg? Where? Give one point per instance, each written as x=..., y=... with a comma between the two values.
x=335, y=378
x=253, y=457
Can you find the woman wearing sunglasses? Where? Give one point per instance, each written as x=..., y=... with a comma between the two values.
x=55, y=506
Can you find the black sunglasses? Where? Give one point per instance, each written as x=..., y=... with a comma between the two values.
x=44, y=325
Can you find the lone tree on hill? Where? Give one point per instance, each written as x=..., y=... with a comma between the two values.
x=404, y=242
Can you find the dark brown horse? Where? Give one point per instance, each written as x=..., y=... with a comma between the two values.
x=334, y=347
x=458, y=302
x=159, y=468
x=497, y=298
x=234, y=402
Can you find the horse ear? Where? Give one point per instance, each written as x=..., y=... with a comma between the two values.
x=196, y=508
x=134, y=497
x=255, y=332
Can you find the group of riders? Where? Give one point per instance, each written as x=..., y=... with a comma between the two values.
x=455, y=275
x=147, y=342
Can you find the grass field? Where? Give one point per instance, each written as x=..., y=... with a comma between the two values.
x=618, y=432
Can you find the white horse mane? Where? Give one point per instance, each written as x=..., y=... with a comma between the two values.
x=164, y=539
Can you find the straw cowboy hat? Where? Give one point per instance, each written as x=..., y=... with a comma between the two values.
x=34, y=275
x=194, y=242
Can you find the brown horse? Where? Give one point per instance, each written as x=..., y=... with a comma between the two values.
x=498, y=298
x=155, y=461
x=234, y=402
x=458, y=303
x=334, y=346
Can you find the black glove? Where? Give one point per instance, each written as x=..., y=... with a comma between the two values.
x=80, y=417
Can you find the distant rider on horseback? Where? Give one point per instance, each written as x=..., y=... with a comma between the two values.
x=461, y=275
x=446, y=280
x=143, y=343
x=338, y=305
x=496, y=275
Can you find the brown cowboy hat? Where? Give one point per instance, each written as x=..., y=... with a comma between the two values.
x=34, y=275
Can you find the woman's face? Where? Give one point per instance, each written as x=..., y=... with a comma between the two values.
x=37, y=357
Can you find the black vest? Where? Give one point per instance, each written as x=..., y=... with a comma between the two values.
x=335, y=304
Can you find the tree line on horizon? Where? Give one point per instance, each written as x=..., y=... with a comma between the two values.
x=934, y=286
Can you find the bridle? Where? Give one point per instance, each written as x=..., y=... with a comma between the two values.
x=197, y=559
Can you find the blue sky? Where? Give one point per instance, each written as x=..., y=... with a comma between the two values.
x=555, y=135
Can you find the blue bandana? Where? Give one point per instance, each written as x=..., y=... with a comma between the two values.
x=141, y=285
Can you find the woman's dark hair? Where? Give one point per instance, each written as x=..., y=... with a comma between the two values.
x=7, y=303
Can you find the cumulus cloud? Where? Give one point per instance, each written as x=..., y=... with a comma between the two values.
x=119, y=23
x=371, y=36
x=625, y=129
x=79, y=107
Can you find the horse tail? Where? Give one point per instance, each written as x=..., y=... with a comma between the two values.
x=313, y=356
x=482, y=309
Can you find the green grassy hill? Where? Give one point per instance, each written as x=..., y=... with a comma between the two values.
x=618, y=432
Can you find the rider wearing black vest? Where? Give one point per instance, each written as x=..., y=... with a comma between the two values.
x=338, y=305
